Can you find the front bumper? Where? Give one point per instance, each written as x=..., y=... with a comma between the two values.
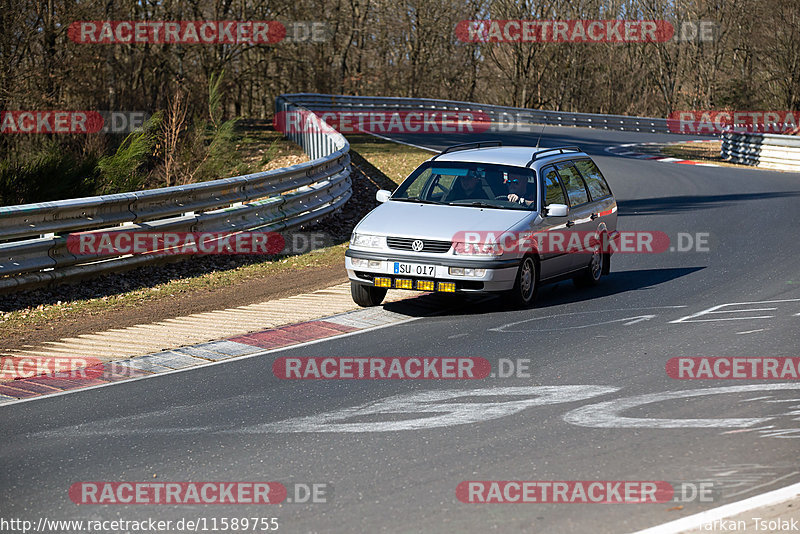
x=499, y=275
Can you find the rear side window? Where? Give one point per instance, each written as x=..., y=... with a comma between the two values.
x=595, y=182
x=573, y=183
x=553, y=193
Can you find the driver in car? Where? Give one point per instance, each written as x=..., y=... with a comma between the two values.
x=516, y=189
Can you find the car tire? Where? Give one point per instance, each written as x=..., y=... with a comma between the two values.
x=526, y=285
x=591, y=275
x=367, y=296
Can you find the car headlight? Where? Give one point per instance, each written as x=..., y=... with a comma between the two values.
x=367, y=240
x=466, y=271
x=477, y=249
x=363, y=264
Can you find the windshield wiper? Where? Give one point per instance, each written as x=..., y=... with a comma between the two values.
x=476, y=203
x=415, y=199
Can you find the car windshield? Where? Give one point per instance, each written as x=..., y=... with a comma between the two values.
x=470, y=184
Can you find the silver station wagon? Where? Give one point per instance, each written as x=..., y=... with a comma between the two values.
x=483, y=217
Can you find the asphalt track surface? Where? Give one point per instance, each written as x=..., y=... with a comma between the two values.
x=218, y=422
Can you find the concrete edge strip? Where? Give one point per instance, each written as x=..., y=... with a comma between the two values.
x=709, y=516
x=134, y=364
x=203, y=363
x=628, y=151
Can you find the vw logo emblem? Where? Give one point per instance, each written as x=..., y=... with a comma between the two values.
x=417, y=245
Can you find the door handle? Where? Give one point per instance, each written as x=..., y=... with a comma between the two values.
x=570, y=224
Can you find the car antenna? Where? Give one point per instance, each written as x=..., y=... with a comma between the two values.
x=540, y=136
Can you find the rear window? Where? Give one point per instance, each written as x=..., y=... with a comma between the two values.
x=598, y=188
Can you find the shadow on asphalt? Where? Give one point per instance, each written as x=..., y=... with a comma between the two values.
x=677, y=204
x=564, y=292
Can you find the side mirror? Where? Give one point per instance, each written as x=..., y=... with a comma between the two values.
x=556, y=210
x=383, y=195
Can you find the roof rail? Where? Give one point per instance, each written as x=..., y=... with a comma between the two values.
x=559, y=149
x=468, y=146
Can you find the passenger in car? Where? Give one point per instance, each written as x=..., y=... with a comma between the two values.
x=468, y=187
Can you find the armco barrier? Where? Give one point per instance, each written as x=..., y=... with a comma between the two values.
x=318, y=102
x=763, y=150
x=33, y=237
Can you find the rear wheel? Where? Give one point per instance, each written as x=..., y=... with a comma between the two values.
x=367, y=296
x=524, y=292
x=591, y=275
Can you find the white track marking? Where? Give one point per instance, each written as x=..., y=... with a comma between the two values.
x=608, y=414
x=770, y=483
x=715, y=310
x=437, y=408
x=638, y=318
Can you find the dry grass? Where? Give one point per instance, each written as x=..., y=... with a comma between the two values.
x=13, y=321
x=265, y=149
x=705, y=152
x=396, y=161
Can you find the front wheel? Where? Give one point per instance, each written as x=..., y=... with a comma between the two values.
x=524, y=292
x=367, y=296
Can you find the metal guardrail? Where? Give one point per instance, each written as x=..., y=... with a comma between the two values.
x=33, y=237
x=771, y=151
x=319, y=102
x=764, y=150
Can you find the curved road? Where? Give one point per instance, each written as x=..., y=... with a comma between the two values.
x=395, y=467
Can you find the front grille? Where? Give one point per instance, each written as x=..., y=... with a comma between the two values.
x=428, y=245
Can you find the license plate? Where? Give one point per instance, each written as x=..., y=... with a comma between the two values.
x=414, y=269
